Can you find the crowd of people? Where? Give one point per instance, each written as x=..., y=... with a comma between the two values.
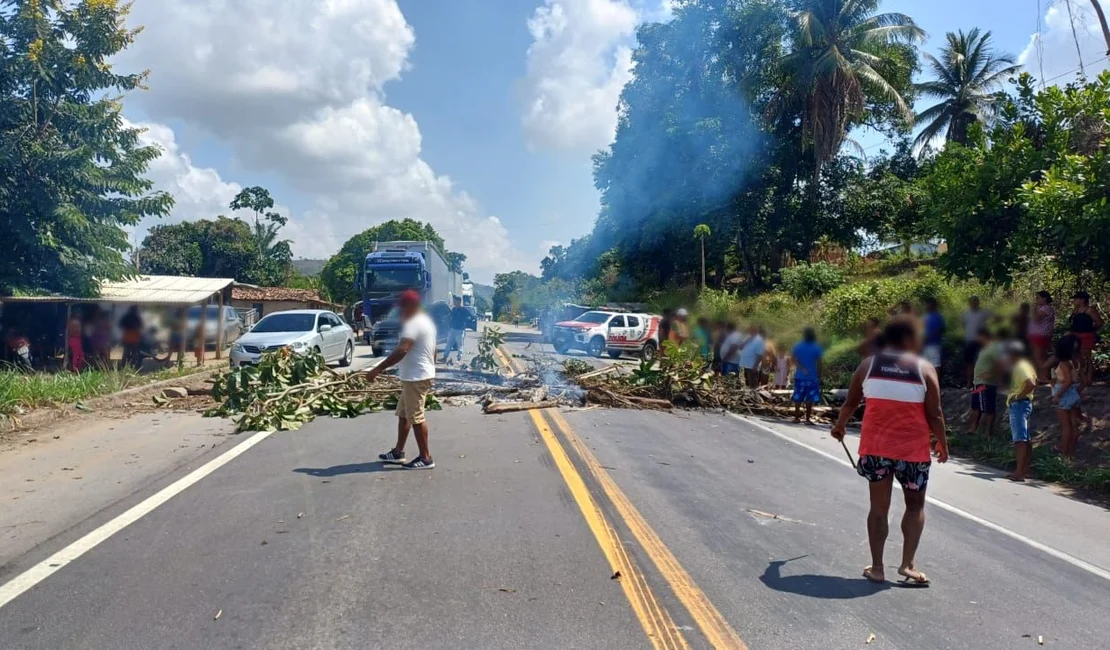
x=996, y=352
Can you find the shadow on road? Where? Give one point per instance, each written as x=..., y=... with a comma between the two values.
x=353, y=468
x=818, y=586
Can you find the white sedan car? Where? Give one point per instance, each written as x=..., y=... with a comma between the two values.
x=301, y=330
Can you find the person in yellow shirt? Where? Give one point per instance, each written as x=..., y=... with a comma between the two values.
x=1019, y=401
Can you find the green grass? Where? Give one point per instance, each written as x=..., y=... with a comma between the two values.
x=998, y=452
x=19, y=391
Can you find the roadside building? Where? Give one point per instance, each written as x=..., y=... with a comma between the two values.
x=254, y=302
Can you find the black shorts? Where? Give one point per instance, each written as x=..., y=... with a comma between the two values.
x=911, y=476
x=984, y=399
x=971, y=352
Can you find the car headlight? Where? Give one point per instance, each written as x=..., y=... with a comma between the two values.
x=299, y=345
x=236, y=347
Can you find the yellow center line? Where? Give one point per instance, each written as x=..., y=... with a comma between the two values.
x=657, y=623
x=654, y=619
x=716, y=629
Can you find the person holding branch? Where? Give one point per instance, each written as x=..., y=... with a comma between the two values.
x=903, y=411
x=416, y=354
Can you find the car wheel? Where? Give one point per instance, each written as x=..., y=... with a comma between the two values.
x=348, y=355
x=596, y=347
x=648, y=353
x=614, y=354
x=561, y=346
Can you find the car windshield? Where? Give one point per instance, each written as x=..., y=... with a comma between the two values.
x=285, y=323
x=194, y=311
x=392, y=279
x=594, y=317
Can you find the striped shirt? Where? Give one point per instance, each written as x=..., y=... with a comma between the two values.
x=894, y=423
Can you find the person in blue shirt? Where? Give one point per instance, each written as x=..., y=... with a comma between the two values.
x=751, y=356
x=807, y=374
x=934, y=333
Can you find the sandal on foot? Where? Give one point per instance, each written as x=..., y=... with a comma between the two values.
x=871, y=575
x=914, y=577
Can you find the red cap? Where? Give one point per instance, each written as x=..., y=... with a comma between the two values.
x=409, y=297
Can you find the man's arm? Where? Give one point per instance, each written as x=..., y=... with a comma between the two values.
x=393, y=359
x=855, y=396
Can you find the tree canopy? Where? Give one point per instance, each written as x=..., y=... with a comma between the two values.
x=71, y=168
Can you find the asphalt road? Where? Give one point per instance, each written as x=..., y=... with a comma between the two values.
x=302, y=540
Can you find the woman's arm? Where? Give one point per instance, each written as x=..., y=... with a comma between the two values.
x=855, y=396
x=934, y=414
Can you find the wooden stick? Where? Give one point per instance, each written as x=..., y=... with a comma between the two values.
x=513, y=407
x=850, y=459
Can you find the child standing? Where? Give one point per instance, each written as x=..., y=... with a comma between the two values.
x=782, y=369
x=1023, y=381
x=1065, y=395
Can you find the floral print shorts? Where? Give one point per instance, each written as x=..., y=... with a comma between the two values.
x=911, y=476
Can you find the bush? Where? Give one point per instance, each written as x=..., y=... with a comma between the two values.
x=811, y=280
x=840, y=361
x=846, y=308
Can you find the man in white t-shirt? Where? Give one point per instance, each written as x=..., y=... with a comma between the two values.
x=416, y=354
x=751, y=356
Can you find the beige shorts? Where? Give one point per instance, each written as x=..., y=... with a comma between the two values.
x=410, y=405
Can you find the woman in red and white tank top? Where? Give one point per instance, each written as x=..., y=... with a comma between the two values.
x=902, y=412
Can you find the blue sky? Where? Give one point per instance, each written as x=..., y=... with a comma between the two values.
x=477, y=115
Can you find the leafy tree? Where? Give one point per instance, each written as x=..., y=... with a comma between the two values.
x=1033, y=185
x=274, y=255
x=338, y=276
x=701, y=233
x=455, y=261
x=481, y=305
x=846, y=56
x=968, y=75
x=223, y=248
x=71, y=169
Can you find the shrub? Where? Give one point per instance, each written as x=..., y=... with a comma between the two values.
x=811, y=280
x=846, y=308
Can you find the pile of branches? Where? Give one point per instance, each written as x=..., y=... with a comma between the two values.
x=677, y=377
x=286, y=390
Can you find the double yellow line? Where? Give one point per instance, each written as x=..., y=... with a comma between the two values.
x=654, y=618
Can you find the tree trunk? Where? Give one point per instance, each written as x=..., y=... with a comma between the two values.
x=1102, y=21
x=703, y=263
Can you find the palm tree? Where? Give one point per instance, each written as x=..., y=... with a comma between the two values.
x=839, y=48
x=701, y=232
x=968, y=75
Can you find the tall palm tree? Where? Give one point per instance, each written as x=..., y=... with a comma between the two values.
x=968, y=74
x=839, y=48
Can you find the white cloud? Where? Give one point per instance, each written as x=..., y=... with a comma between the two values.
x=297, y=88
x=579, y=61
x=1056, y=54
x=199, y=193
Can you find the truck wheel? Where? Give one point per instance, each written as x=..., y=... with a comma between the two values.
x=614, y=354
x=596, y=347
x=561, y=346
x=648, y=353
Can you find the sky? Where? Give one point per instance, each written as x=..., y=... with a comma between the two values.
x=479, y=116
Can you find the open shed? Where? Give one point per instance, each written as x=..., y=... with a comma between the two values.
x=143, y=291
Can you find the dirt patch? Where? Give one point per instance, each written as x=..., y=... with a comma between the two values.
x=1094, y=440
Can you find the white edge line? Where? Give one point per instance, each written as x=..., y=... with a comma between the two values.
x=43, y=570
x=1056, y=553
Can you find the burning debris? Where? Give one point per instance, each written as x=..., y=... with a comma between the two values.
x=676, y=378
